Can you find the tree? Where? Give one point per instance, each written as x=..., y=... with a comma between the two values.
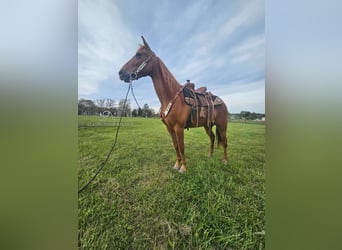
x=109, y=103
x=90, y=107
x=244, y=115
x=100, y=103
x=86, y=107
x=121, y=107
x=137, y=112
x=146, y=111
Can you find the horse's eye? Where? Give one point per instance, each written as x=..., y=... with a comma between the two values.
x=138, y=55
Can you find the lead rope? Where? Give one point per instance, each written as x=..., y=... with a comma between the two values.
x=114, y=142
x=134, y=97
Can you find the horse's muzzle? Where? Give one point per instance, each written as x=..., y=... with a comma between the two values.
x=124, y=76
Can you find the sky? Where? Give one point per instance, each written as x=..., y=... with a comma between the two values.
x=218, y=44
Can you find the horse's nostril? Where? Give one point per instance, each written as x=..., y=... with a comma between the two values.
x=120, y=72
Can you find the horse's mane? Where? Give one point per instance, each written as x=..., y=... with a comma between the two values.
x=168, y=78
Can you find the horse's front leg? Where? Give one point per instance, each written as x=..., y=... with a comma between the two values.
x=175, y=145
x=180, y=140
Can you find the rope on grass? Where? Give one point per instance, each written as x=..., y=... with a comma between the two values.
x=114, y=142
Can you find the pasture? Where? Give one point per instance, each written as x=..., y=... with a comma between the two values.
x=139, y=202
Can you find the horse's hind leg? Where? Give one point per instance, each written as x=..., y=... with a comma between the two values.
x=212, y=139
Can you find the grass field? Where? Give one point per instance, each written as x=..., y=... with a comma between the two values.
x=139, y=202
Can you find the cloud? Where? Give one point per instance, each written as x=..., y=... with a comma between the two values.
x=251, y=43
x=252, y=48
x=244, y=17
x=211, y=48
x=102, y=44
x=241, y=58
x=226, y=25
x=249, y=96
x=219, y=45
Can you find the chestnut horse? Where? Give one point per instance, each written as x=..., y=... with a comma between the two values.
x=174, y=111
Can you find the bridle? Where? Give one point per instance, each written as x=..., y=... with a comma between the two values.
x=134, y=75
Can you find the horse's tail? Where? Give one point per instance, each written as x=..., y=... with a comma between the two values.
x=221, y=123
x=219, y=137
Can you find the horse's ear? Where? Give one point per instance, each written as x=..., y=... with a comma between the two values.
x=145, y=43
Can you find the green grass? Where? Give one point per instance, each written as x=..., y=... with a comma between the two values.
x=139, y=202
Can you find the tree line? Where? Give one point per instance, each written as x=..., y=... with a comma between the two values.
x=246, y=115
x=110, y=107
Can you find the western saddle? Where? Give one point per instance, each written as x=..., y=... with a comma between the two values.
x=200, y=90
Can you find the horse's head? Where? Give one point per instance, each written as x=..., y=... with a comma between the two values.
x=138, y=66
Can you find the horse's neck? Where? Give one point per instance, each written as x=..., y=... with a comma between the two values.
x=165, y=85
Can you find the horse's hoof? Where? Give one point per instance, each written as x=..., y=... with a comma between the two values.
x=224, y=161
x=210, y=155
x=176, y=167
x=182, y=170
